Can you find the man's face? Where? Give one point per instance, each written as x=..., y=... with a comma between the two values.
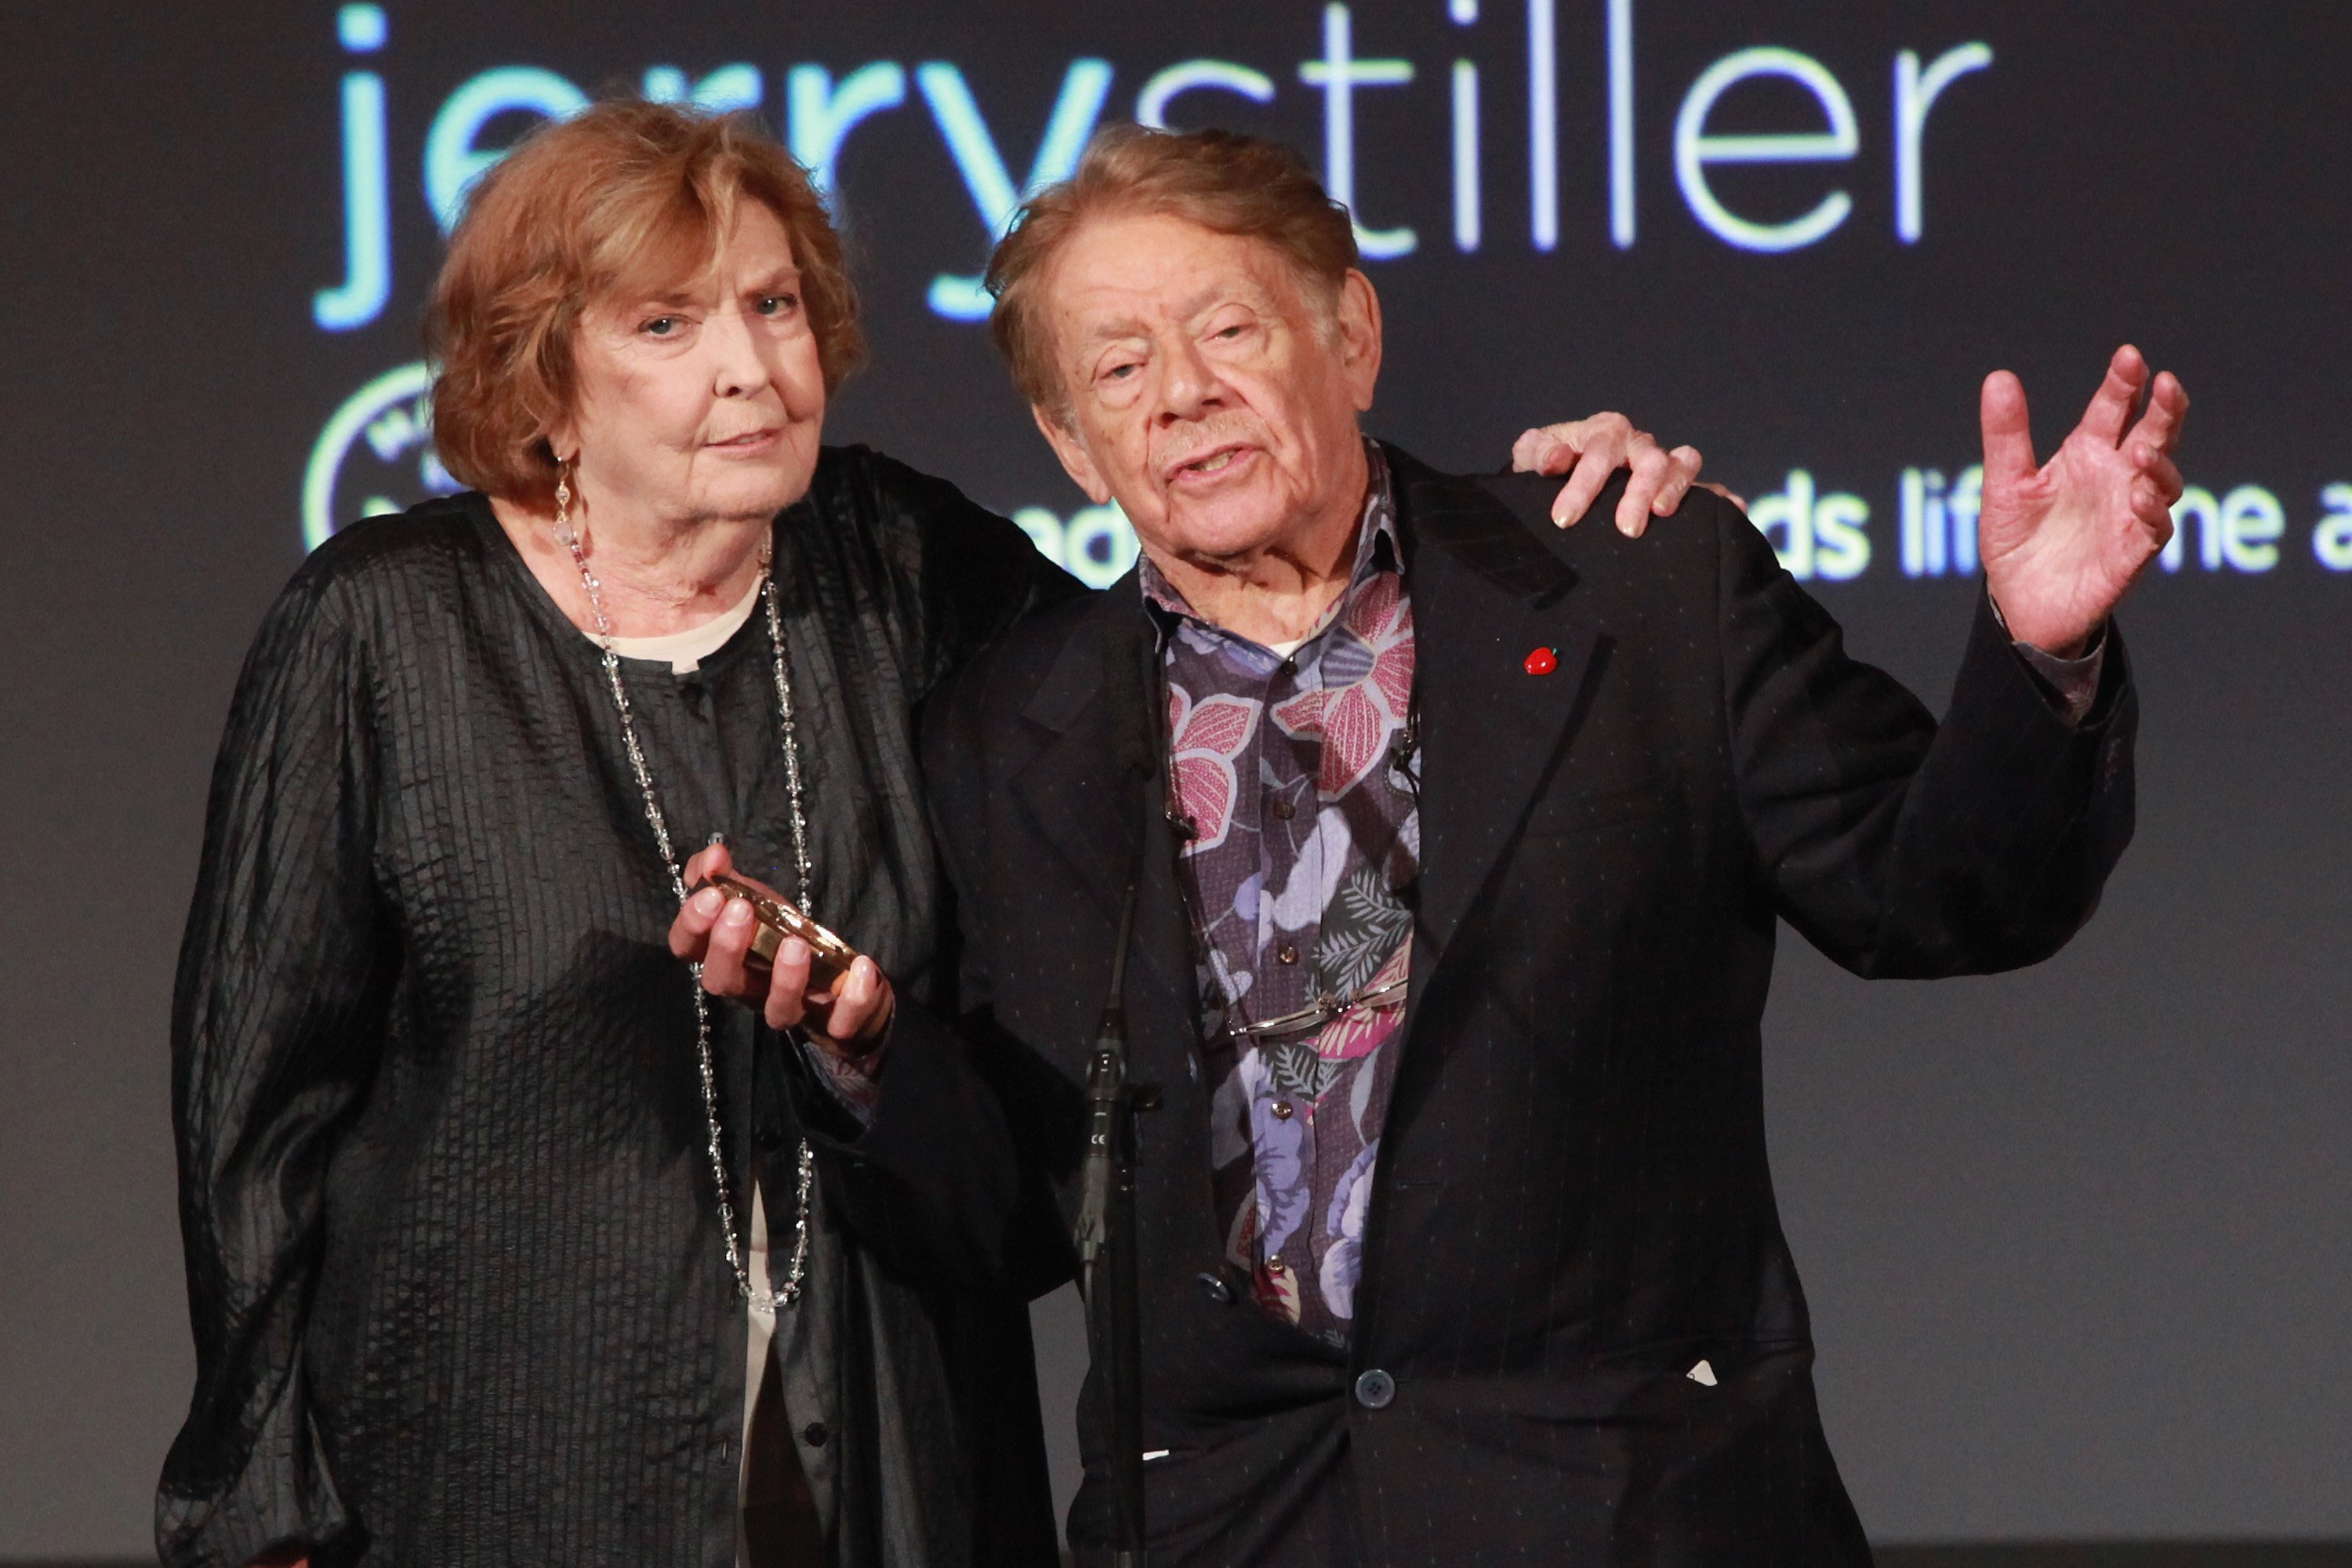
x=1209, y=390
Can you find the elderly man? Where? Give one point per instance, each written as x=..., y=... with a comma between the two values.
x=1461, y=844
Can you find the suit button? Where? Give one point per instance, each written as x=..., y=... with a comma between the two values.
x=1287, y=952
x=1374, y=1389
x=1214, y=1287
x=814, y=1434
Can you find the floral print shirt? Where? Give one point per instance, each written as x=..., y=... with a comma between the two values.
x=1304, y=834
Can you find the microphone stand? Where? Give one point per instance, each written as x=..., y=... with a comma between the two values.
x=1105, y=1235
x=1105, y=1241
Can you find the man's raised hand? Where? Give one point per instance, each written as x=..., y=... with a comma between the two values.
x=2062, y=543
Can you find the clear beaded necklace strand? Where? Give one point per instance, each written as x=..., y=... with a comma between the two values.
x=763, y=1301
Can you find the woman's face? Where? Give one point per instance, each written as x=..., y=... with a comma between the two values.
x=704, y=404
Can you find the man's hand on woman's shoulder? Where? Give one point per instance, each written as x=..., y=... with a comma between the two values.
x=1588, y=451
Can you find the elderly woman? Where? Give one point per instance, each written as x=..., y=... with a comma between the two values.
x=503, y=1244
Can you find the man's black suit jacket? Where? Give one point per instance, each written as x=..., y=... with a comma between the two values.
x=1573, y=1208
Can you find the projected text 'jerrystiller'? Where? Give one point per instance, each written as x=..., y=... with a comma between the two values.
x=372, y=454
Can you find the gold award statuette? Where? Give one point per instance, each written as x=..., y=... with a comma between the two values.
x=829, y=956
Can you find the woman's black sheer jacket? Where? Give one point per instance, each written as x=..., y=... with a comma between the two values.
x=457, y=1284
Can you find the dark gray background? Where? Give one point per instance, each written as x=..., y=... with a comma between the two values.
x=2076, y=1239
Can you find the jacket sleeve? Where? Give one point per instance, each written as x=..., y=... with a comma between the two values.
x=1897, y=846
x=942, y=1175
x=980, y=573
x=276, y=1024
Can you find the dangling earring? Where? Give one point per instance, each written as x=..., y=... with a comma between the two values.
x=563, y=503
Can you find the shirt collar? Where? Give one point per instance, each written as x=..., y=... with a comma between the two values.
x=1377, y=551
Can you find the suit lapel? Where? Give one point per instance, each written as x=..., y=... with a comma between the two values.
x=1093, y=813
x=1486, y=593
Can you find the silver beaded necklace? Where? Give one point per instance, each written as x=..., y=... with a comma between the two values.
x=762, y=1300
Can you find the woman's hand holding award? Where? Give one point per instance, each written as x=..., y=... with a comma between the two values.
x=759, y=948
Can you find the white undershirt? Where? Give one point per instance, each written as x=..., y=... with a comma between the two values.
x=685, y=650
x=755, y=1360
